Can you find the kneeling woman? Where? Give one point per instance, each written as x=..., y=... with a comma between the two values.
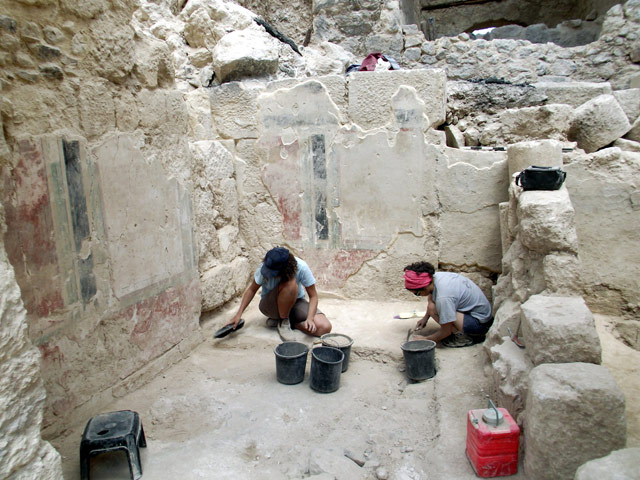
x=284, y=279
x=455, y=302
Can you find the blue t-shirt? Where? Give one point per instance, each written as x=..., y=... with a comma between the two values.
x=453, y=293
x=304, y=278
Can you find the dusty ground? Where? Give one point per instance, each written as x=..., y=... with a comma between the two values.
x=221, y=413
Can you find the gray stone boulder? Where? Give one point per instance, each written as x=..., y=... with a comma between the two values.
x=559, y=330
x=575, y=413
x=629, y=100
x=598, y=122
x=547, y=221
x=618, y=465
x=249, y=53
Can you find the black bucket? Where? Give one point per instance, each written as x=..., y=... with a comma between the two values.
x=326, y=367
x=291, y=362
x=340, y=341
x=419, y=357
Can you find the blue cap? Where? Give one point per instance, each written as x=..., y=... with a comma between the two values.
x=274, y=261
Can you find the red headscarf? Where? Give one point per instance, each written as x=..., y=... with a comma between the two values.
x=414, y=280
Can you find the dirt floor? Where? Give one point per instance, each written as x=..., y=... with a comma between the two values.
x=221, y=414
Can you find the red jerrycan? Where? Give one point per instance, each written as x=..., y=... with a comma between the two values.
x=493, y=438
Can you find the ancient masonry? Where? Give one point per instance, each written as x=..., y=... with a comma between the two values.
x=152, y=151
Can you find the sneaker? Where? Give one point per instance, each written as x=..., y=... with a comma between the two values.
x=285, y=331
x=457, y=340
x=272, y=322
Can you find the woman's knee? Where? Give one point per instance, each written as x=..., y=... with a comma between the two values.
x=323, y=325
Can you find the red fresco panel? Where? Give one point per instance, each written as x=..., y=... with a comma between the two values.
x=30, y=240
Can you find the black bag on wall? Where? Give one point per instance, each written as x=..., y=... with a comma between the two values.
x=541, y=178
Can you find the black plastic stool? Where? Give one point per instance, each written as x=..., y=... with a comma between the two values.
x=106, y=432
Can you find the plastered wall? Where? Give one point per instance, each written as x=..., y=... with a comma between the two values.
x=138, y=192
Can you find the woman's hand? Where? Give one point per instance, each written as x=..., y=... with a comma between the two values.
x=422, y=323
x=310, y=326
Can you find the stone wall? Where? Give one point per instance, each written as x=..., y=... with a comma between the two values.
x=152, y=151
x=99, y=200
x=23, y=454
x=361, y=187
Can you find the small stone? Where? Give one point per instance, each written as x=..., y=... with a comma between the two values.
x=381, y=473
x=50, y=70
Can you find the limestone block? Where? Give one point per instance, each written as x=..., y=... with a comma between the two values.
x=506, y=317
x=224, y=282
x=97, y=109
x=113, y=49
x=336, y=86
x=539, y=122
x=634, y=133
x=154, y=64
x=629, y=100
x=600, y=184
x=627, y=145
x=177, y=114
x=471, y=238
x=526, y=267
x=199, y=115
x=370, y=111
x=152, y=107
x=455, y=138
x=562, y=274
x=327, y=59
x=248, y=53
x=619, y=464
x=598, y=122
x=482, y=178
x=234, y=108
x=572, y=93
x=511, y=369
x=543, y=153
x=127, y=114
x=559, y=330
x=229, y=241
x=85, y=8
x=502, y=291
x=207, y=21
x=200, y=57
x=575, y=413
x=547, y=221
x=505, y=237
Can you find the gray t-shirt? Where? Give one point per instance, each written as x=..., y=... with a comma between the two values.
x=453, y=293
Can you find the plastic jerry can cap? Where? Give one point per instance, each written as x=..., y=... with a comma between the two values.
x=492, y=415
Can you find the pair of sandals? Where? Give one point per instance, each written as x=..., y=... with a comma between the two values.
x=458, y=340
